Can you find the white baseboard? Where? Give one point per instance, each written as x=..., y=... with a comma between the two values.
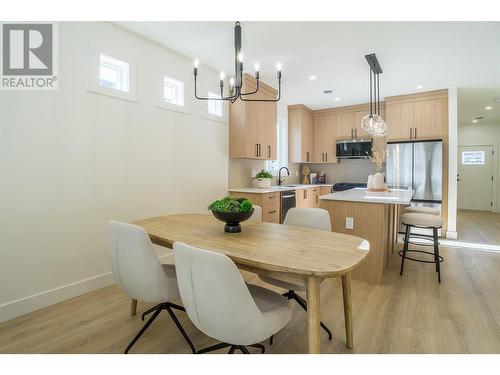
x=13, y=309
x=451, y=235
x=46, y=298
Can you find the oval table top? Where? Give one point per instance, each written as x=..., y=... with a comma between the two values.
x=272, y=247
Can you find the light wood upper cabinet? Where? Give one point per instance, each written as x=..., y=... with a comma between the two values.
x=300, y=134
x=345, y=125
x=253, y=125
x=325, y=139
x=428, y=119
x=417, y=118
x=399, y=120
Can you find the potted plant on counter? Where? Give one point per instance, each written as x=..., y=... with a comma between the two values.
x=232, y=211
x=264, y=179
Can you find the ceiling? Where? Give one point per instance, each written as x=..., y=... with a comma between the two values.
x=433, y=54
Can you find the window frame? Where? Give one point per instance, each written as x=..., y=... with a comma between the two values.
x=122, y=69
x=218, y=103
x=180, y=91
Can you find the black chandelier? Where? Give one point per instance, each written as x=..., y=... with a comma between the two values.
x=236, y=82
x=373, y=123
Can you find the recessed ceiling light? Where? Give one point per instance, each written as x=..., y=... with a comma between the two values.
x=420, y=87
x=327, y=92
x=337, y=99
x=312, y=78
x=488, y=108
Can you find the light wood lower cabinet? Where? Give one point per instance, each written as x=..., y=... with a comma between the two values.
x=270, y=203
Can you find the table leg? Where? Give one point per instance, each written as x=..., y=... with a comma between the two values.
x=313, y=314
x=346, y=291
x=133, y=306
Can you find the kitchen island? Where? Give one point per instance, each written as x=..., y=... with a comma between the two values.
x=372, y=216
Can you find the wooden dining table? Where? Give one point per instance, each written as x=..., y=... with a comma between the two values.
x=296, y=254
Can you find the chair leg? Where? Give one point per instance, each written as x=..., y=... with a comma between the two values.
x=405, y=248
x=303, y=304
x=168, y=307
x=436, y=253
x=244, y=350
x=232, y=349
x=259, y=346
x=143, y=329
x=271, y=340
x=149, y=311
x=212, y=348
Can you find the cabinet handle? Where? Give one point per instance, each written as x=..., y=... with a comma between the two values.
x=415, y=133
x=304, y=194
x=260, y=150
x=326, y=157
x=272, y=212
x=316, y=199
x=322, y=157
x=352, y=134
x=411, y=133
x=307, y=156
x=269, y=152
x=256, y=149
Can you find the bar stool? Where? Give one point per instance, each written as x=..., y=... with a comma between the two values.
x=422, y=210
x=425, y=221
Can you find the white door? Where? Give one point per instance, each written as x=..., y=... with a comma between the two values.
x=475, y=177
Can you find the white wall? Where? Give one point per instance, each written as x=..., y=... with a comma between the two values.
x=484, y=135
x=70, y=160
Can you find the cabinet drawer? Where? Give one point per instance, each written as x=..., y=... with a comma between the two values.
x=271, y=215
x=270, y=197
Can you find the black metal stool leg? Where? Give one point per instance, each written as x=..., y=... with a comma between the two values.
x=232, y=349
x=405, y=248
x=303, y=304
x=212, y=348
x=271, y=340
x=149, y=311
x=144, y=328
x=244, y=350
x=179, y=326
x=436, y=254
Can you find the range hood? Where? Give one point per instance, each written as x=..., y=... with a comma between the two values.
x=354, y=149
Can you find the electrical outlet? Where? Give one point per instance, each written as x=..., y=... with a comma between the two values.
x=349, y=223
x=254, y=173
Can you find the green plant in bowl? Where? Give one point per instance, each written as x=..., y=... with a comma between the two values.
x=264, y=179
x=232, y=211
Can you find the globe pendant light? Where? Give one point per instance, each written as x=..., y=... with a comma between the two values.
x=373, y=123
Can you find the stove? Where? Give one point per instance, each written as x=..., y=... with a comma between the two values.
x=341, y=186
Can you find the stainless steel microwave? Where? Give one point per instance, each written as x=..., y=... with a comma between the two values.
x=354, y=149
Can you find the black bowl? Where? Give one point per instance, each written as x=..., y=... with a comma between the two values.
x=232, y=219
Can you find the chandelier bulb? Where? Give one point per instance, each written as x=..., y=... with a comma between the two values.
x=256, y=66
x=240, y=57
x=278, y=67
x=196, y=63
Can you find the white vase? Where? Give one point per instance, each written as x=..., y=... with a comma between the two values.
x=263, y=183
x=378, y=181
x=369, y=184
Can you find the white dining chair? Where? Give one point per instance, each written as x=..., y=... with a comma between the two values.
x=314, y=218
x=222, y=305
x=257, y=213
x=140, y=274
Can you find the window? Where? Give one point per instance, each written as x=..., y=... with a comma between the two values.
x=282, y=148
x=113, y=73
x=215, y=107
x=472, y=157
x=173, y=91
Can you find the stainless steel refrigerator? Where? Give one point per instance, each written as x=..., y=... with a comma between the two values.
x=416, y=165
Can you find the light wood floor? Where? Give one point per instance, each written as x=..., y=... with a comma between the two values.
x=478, y=227
x=409, y=314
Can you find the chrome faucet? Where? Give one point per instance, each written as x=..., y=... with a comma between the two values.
x=280, y=181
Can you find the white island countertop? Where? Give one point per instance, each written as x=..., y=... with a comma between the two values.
x=393, y=196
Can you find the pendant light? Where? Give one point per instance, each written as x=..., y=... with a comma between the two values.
x=373, y=123
x=236, y=82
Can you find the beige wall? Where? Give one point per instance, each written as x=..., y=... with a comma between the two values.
x=71, y=160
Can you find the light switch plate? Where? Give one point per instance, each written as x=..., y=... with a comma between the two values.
x=349, y=223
